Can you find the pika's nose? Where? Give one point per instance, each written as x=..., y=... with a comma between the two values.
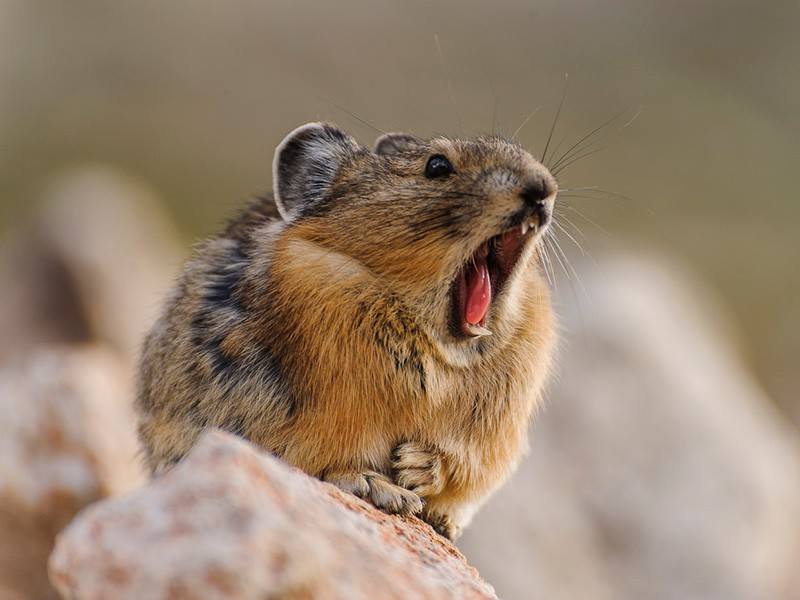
x=538, y=197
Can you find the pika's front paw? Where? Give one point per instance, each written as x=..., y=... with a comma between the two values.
x=418, y=468
x=379, y=490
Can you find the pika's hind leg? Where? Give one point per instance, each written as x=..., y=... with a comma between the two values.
x=379, y=490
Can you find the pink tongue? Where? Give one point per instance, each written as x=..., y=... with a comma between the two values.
x=479, y=290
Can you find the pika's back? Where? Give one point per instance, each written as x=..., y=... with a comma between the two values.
x=379, y=298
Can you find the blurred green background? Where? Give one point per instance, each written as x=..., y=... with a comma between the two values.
x=193, y=97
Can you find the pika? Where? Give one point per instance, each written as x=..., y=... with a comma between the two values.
x=381, y=322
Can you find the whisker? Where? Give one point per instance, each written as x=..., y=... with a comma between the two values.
x=604, y=196
x=584, y=252
x=550, y=242
x=525, y=122
x=591, y=221
x=577, y=229
x=586, y=137
x=558, y=170
x=577, y=278
x=552, y=252
x=633, y=118
x=565, y=197
x=578, y=306
x=555, y=121
x=449, y=85
x=594, y=190
x=569, y=235
x=356, y=117
x=561, y=143
x=495, y=117
x=548, y=267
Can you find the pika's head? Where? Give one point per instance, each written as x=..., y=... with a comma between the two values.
x=449, y=225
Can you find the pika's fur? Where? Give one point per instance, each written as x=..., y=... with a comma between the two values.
x=382, y=323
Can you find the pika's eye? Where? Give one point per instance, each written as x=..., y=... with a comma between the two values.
x=438, y=166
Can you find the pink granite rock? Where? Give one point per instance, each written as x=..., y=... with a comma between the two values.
x=233, y=522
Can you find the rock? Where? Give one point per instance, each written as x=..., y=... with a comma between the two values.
x=93, y=265
x=659, y=469
x=233, y=522
x=66, y=439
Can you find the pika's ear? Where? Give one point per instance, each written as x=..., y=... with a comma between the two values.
x=305, y=165
x=394, y=143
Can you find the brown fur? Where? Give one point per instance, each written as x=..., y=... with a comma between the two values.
x=327, y=336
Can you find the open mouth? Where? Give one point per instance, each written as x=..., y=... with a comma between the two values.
x=483, y=276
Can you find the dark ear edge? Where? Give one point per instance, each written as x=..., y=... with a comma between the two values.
x=393, y=143
x=306, y=163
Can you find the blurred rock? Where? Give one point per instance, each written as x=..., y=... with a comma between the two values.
x=659, y=469
x=89, y=270
x=66, y=439
x=94, y=265
x=232, y=522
